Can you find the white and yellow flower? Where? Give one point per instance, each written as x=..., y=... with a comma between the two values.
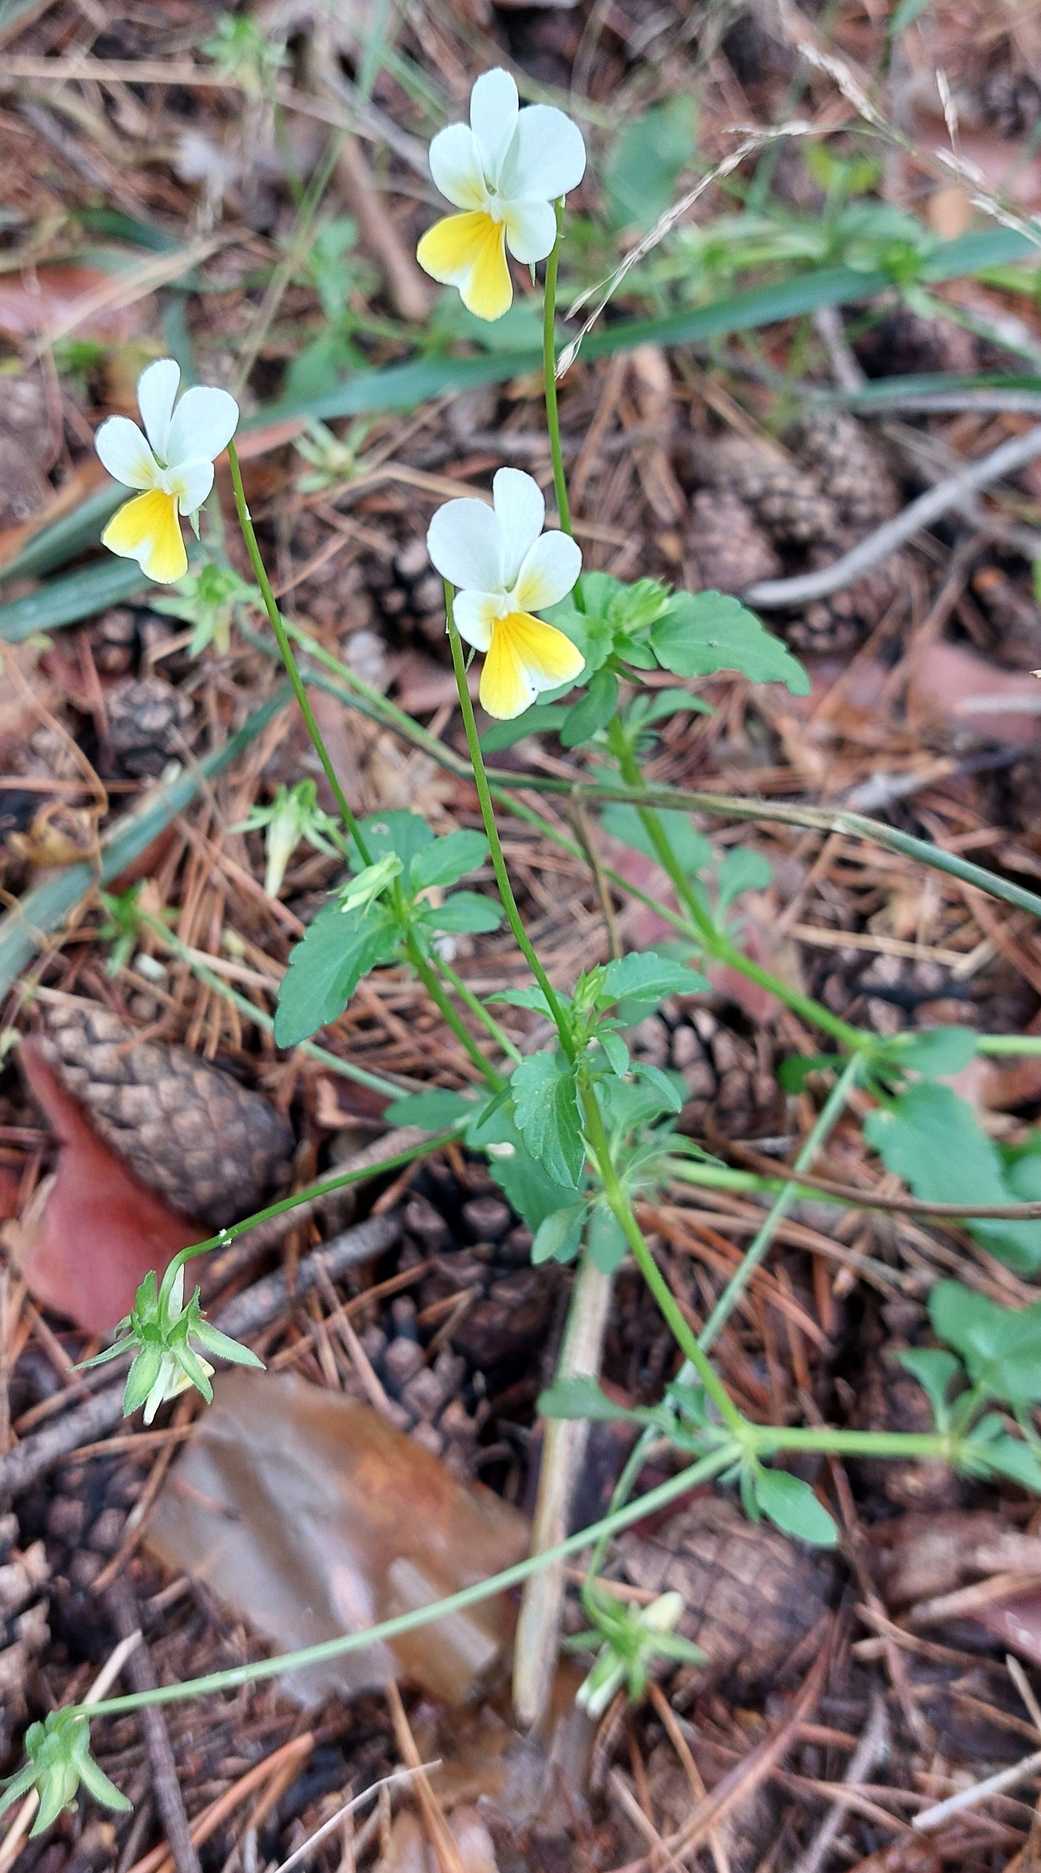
x=505, y=569
x=173, y=467
x=504, y=171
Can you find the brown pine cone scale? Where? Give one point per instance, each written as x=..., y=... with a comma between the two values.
x=212, y=1148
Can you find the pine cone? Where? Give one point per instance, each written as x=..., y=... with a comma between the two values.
x=408, y=592
x=731, y=1085
x=23, y=1622
x=842, y=456
x=842, y=621
x=422, y=1394
x=146, y=724
x=889, y=993
x=752, y=1597
x=211, y=1147
x=115, y=641
x=905, y=343
x=730, y=548
x=786, y=501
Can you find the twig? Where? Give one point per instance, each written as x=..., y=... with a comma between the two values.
x=904, y=1206
x=870, y=1750
x=386, y=1781
x=564, y=1444
x=165, y=1786
x=773, y=594
x=970, y=1797
x=247, y=1314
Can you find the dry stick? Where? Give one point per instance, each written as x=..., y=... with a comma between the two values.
x=255, y=1308
x=772, y=594
x=165, y=1786
x=870, y=1750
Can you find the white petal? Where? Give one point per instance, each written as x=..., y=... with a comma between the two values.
x=546, y=158
x=520, y=511
x=203, y=424
x=191, y=483
x=455, y=165
x=475, y=613
x=463, y=542
x=493, y=118
x=548, y=572
x=531, y=229
x=156, y=390
x=126, y=454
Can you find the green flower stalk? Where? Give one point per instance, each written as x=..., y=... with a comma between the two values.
x=165, y=1335
x=59, y=1761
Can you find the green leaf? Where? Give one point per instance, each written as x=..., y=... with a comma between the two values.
x=930, y=1137
x=936, y=1053
x=525, y=998
x=999, y=1346
x=546, y=1105
x=646, y=160
x=449, y=859
x=708, y=632
x=521, y=1178
x=616, y=1053
x=433, y=1110
x=1006, y=1455
x=464, y=910
x=935, y=1371
x=538, y=720
x=325, y=968
x=558, y=1238
x=605, y=1240
x=741, y=869
x=656, y=704
x=404, y=834
x=794, y=1072
x=668, y=1086
x=793, y=1507
x=586, y=718
x=692, y=849
x=644, y=976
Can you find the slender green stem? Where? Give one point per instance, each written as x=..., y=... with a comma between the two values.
x=655, y=1499
x=428, y=977
x=502, y=876
x=621, y=1208
x=549, y=371
x=715, y=941
x=282, y=639
x=480, y=1013
x=935, y=1446
x=826, y=1120
x=324, y=1187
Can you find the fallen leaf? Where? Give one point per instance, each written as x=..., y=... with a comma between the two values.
x=309, y=1516
x=93, y=1232
x=970, y=696
x=32, y=303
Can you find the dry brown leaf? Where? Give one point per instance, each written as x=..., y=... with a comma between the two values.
x=93, y=1232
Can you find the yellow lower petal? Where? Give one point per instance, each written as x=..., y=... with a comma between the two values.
x=147, y=529
x=469, y=251
x=525, y=657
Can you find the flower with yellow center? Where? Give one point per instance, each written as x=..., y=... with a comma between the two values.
x=504, y=171
x=506, y=569
x=173, y=467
